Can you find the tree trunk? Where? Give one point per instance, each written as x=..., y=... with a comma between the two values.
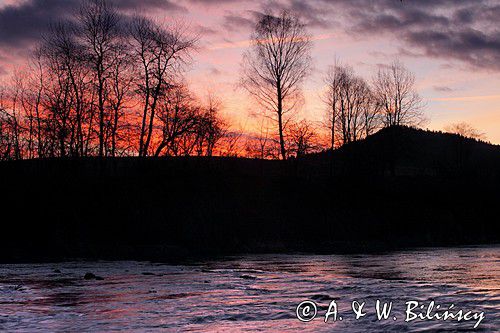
x=280, y=122
x=101, y=114
x=151, y=119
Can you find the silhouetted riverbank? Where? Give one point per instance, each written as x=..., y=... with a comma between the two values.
x=399, y=188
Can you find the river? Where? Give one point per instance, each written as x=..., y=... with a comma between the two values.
x=254, y=293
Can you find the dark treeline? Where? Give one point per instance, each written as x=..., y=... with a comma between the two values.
x=397, y=189
x=107, y=84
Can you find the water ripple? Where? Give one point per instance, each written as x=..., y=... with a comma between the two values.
x=249, y=293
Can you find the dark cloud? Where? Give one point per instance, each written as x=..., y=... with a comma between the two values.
x=216, y=2
x=316, y=14
x=471, y=46
x=450, y=29
x=313, y=13
x=462, y=30
x=237, y=22
x=205, y=31
x=22, y=24
x=170, y=5
x=443, y=89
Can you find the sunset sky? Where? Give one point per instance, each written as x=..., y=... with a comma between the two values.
x=453, y=46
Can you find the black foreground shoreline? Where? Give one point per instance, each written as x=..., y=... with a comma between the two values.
x=400, y=188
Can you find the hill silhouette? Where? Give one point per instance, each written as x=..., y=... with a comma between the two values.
x=406, y=151
x=399, y=188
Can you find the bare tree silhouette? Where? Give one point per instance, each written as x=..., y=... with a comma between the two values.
x=99, y=32
x=161, y=52
x=276, y=65
x=466, y=130
x=352, y=112
x=394, y=89
x=303, y=138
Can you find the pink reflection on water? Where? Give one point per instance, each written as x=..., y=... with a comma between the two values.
x=251, y=293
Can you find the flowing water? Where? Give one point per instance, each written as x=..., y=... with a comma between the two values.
x=253, y=293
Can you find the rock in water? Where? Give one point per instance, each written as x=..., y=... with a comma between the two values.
x=92, y=276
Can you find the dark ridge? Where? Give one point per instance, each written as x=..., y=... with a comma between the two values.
x=406, y=151
x=399, y=188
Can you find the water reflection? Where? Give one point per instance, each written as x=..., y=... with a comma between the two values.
x=248, y=293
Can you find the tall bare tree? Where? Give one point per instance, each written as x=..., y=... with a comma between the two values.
x=352, y=112
x=333, y=80
x=399, y=102
x=118, y=96
x=99, y=30
x=276, y=65
x=161, y=52
x=64, y=57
